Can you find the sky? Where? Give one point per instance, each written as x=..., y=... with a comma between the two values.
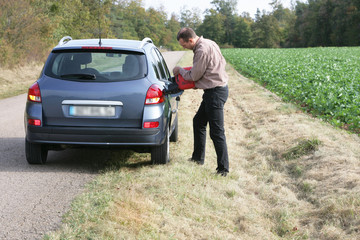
x=174, y=6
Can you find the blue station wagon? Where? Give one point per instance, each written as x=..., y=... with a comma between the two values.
x=108, y=92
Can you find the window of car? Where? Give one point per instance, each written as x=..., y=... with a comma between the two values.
x=155, y=67
x=158, y=64
x=96, y=65
x=167, y=73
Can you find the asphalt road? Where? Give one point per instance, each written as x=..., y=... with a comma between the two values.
x=33, y=198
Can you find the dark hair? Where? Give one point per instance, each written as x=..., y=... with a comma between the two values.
x=186, y=34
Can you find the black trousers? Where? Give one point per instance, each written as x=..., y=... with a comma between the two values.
x=211, y=111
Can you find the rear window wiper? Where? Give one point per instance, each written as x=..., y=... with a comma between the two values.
x=79, y=76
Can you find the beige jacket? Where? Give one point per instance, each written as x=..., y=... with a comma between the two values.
x=208, y=69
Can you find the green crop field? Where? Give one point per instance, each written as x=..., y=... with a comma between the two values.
x=323, y=81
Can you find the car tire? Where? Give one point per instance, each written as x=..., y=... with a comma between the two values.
x=160, y=154
x=35, y=153
x=175, y=134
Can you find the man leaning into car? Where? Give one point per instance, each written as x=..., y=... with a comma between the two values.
x=208, y=73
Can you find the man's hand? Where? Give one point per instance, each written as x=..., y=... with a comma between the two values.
x=176, y=70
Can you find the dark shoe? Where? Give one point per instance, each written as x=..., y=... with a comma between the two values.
x=196, y=161
x=222, y=173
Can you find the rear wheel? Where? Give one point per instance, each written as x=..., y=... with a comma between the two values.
x=35, y=153
x=175, y=134
x=160, y=154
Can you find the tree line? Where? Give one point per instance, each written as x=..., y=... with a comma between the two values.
x=30, y=28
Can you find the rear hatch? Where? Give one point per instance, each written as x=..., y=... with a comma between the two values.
x=94, y=88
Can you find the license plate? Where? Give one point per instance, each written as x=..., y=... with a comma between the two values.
x=92, y=111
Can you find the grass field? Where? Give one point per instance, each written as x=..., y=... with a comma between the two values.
x=291, y=177
x=324, y=81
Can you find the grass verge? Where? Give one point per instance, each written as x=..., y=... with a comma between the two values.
x=17, y=80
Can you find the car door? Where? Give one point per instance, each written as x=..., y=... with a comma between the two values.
x=165, y=76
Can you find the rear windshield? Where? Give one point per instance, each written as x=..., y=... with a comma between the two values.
x=96, y=66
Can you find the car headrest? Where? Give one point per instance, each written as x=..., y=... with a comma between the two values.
x=82, y=58
x=131, y=66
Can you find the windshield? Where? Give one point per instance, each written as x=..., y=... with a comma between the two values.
x=96, y=66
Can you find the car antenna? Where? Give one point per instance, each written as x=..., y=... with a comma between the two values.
x=99, y=24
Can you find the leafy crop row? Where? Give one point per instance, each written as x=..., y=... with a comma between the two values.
x=324, y=81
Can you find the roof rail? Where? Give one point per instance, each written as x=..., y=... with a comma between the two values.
x=145, y=41
x=64, y=40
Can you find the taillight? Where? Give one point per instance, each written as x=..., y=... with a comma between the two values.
x=34, y=122
x=34, y=94
x=151, y=124
x=102, y=48
x=154, y=95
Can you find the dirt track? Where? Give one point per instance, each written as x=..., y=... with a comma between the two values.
x=33, y=198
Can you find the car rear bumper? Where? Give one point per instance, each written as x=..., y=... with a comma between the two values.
x=95, y=136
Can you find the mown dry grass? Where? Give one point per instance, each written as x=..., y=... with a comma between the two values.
x=312, y=195
x=327, y=172
x=17, y=80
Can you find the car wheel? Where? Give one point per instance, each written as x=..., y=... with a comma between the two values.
x=160, y=154
x=35, y=153
x=175, y=134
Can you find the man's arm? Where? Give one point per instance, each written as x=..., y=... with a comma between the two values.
x=198, y=69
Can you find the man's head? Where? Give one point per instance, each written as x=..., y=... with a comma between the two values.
x=187, y=38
